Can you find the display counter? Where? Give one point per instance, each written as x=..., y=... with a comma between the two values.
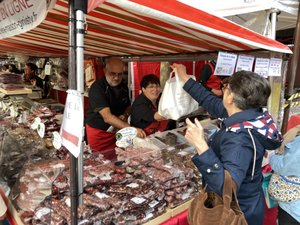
x=163, y=178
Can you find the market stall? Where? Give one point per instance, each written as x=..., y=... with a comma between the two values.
x=137, y=29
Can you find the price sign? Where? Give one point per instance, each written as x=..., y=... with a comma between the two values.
x=71, y=129
x=125, y=136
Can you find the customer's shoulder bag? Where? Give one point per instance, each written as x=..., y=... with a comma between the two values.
x=284, y=188
x=208, y=208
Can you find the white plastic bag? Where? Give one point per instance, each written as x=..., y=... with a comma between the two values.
x=175, y=102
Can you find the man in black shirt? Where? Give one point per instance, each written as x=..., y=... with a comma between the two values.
x=209, y=80
x=109, y=106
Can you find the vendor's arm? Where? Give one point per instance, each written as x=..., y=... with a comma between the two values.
x=117, y=122
x=126, y=114
x=288, y=163
x=214, y=105
x=112, y=119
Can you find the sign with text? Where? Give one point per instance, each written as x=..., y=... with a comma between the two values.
x=71, y=130
x=244, y=62
x=17, y=17
x=225, y=64
x=262, y=66
x=275, y=67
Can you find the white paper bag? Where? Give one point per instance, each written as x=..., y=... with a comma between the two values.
x=175, y=102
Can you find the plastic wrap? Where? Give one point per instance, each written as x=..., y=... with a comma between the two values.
x=35, y=183
x=19, y=146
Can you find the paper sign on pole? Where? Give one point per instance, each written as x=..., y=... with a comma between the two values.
x=71, y=129
x=18, y=17
x=262, y=66
x=225, y=64
x=244, y=62
x=275, y=67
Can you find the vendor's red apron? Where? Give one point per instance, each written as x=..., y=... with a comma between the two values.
x=214, y=82
x=102, y=141
x=156, y=126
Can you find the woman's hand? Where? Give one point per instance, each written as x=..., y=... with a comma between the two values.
x=33, y=82
x=140, y=133
x=195, y=135
x=181, y=71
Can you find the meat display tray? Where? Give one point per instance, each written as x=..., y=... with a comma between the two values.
x=16, y=92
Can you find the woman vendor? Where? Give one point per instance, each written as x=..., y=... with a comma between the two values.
x=144, y=109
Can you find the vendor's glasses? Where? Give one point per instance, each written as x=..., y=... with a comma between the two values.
x=153, y=86
x=114, y=74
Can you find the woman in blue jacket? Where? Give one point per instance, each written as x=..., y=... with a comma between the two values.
x=239, y=146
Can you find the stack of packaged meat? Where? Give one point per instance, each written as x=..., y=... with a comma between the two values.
x=47, y=117
x=35, y=183
x=11, y=81
x=137, y=188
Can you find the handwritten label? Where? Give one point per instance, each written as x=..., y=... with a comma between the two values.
x=41, y=130
x=71, y=129
x=125, y=137
x=35, y=123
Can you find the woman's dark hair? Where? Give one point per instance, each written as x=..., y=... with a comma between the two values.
x=149, y=79
x=250, y=90
x=5, y=67
x=13, y=69
x=32, y=66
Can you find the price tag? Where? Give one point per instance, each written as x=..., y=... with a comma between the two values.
x=105, y=176
x=56, y=140
x=35, y=123
x=48, y=69
x=41, y=212
x=153, y=203
x=4, y=106
x=138, y=200
x=133, y=185
x=13, y=111
x=41, y=130
x=101, y=195
x=68, y=202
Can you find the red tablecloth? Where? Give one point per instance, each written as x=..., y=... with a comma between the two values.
x=180, y=219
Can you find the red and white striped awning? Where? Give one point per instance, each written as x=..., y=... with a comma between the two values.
x=139, y=27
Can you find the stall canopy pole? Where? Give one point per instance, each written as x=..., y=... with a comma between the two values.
x=72, y=85
x=295, y=57
x=292, y=71
x=275, y=82
x=81, y=10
